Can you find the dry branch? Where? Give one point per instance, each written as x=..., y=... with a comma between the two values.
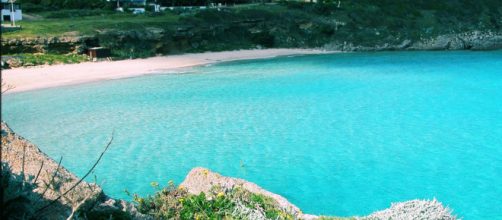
x=6, y=87
x=81, y=179
x=38, y=173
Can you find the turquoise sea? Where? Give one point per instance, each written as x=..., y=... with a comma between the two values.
x=341, y=134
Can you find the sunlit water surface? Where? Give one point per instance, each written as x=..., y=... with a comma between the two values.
x=342, y=134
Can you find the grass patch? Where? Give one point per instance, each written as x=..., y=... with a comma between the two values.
x=174, y=202
x=52, y=27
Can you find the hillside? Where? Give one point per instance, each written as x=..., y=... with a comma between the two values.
x=348, y=25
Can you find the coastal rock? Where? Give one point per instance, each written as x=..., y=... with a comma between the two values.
x=111, y=205
x=405, y=44
x=26, y=162
x=58, y=45
x=475, y=40
x=202, y=180
x=414, y=210
x=478, y=40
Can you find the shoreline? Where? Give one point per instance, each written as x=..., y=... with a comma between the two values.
x=42, y=77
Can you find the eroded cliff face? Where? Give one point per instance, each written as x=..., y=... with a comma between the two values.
x=157, y=41
x=40, y=180
x=57, y=45
x=474, y=40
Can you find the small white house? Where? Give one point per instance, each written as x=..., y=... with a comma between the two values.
x=135, y=6
x=7, y=13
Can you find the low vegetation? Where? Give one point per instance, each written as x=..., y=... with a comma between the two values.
x=174, y=202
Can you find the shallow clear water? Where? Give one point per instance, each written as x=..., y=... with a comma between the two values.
x=342, y=134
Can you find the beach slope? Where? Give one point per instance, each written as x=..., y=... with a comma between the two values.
x=24, y=79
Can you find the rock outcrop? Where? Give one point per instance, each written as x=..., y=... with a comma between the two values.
x=44, y=180
x=57, y=45
x=202, y=180
x=37, y=181
x=415, y=209
x=474, y=40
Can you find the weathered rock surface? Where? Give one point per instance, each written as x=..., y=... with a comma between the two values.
x=58, y=45
x=25, y=159
x=414, y=210
x=202, y=180
x=475, y=40
x=52, y=181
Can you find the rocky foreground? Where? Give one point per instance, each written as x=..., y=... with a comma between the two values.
x=39, y=187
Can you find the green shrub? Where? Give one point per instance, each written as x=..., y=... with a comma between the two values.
x=176, y=203
x=264, y=39
x=196, y=207
x=31, y=7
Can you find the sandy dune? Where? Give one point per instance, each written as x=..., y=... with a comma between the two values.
x=25, y=79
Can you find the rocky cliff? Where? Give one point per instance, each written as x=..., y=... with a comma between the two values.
x=154, y=41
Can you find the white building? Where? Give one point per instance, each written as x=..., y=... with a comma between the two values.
x=7, y=11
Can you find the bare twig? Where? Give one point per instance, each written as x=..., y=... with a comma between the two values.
x=77, y=207
x=22, y=167
x=6, y=87
x=52, y=179
x=81, y=179
x=39, y=171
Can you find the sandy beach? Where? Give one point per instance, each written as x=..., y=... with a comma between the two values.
x=24, y=79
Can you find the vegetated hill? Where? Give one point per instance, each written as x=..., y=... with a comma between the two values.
x=339, y=25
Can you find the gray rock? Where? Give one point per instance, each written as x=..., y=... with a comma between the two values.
x=414, y=210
